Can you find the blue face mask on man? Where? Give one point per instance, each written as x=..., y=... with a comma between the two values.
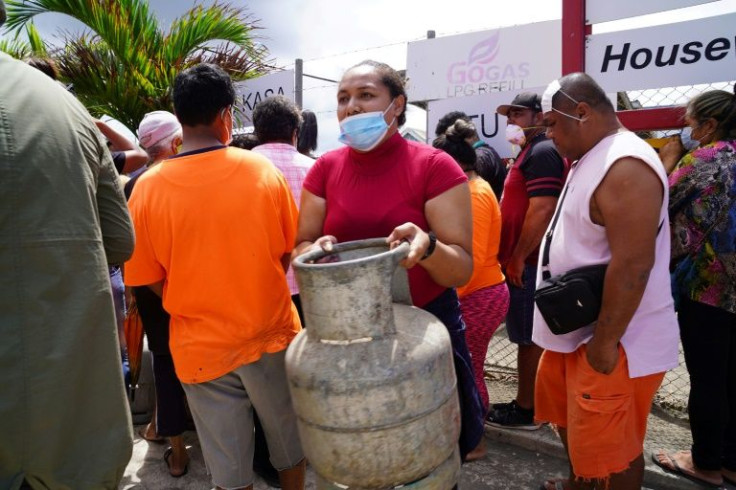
x=363, y=132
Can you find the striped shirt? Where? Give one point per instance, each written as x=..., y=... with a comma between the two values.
x=294, y=166
x=539, y=171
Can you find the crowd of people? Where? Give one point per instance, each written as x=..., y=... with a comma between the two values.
x=205, y=225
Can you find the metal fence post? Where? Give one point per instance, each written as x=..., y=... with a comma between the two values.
x=298, y=81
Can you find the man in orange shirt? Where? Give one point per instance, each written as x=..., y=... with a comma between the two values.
x=215, y=227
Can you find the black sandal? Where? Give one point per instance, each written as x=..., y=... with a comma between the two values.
x=167, y=455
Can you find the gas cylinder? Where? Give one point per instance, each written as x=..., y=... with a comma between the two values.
x=372, y=378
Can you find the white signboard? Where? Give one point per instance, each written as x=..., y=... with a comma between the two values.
x=501, y=60
x=684, y=53
x=482, y=110
x=249, y=92
x=604, y=10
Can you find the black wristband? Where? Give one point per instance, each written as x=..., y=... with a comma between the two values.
x=432, y=245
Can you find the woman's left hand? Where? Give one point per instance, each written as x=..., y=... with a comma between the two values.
x=418, y=241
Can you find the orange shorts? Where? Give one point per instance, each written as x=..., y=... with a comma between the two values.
x=605, y=414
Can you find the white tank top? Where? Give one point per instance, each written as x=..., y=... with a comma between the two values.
x=652, y=337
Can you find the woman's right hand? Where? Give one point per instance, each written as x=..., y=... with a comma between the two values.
x=323, y=244
x=671, y=153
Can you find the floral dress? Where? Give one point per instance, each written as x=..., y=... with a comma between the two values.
x=702, y=212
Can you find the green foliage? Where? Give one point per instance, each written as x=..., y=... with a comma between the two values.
x=125, y=65
x=20, y=48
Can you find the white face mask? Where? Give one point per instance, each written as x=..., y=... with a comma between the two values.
x=549, y=93
x=515, y=135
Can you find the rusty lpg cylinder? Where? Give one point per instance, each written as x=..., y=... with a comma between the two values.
x=372, y=380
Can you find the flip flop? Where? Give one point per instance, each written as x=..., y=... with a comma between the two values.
x=167, y=455
x=677, y=470
x=156, y=440
x=559, y=484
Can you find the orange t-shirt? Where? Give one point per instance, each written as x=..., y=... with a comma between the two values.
x=486, y=238
x=214, y=225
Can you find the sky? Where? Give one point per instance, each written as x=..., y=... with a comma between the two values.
x=332, y=35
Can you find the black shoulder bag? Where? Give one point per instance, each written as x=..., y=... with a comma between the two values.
x=571, y=300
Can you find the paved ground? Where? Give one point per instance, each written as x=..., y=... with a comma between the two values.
x=515, y=460
x=505, y=467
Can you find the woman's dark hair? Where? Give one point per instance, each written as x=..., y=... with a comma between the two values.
x=201, y=92
x=46, y=65
x=454, y=143
x=719, y=105
x=246, y=141
x=392, y=80
x=449, y=118
x=307, y=141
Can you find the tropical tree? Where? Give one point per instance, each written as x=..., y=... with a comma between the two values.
x=124, y=66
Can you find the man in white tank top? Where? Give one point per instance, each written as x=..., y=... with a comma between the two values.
x=597, y=383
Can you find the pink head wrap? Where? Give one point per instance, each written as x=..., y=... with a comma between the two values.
x=156, y=126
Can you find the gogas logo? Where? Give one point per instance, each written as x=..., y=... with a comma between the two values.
x=479, y=74
x=687, y=54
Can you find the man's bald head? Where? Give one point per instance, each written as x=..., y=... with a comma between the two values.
x=582, y=88
x=577, y=114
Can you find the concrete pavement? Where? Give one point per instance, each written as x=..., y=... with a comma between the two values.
x=505, y=467
x=516, y=460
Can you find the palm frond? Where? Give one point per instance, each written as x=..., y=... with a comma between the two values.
x=20, y=12
x=238, y=62
x=124, y=65
x=127, y=26
x=104, y=85
x=201, y=25
x=37, y=45
x=15, y=47
x=20, y=48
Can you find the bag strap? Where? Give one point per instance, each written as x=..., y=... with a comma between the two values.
x=546, y=274
x=548, y=236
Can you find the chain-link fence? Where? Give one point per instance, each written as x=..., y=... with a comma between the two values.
x=501, y=366
x=673, y=394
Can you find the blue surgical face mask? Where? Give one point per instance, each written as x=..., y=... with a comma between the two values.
x=686, y=137
x=363, y=132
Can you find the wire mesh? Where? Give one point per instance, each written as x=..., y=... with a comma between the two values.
x=500, y=365
x=669, y=96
